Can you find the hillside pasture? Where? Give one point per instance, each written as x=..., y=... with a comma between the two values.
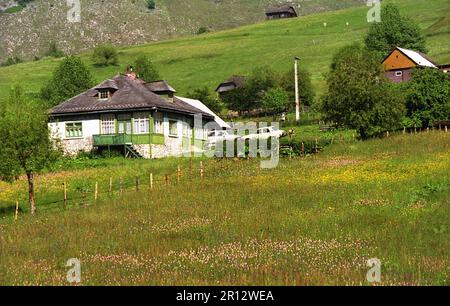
x=209, y=59
x=311, y=221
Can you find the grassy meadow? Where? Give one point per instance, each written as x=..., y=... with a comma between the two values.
x=314, y=220
x=208, y=59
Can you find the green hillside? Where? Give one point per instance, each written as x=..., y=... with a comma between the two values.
x=208, y=59
x=27, y=32
x=311, y=221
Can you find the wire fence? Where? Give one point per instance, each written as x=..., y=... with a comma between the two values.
x=93, y=190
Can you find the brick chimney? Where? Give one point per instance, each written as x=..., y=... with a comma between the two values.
x=130, y=73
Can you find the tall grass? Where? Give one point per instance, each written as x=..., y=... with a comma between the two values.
x=311, y=221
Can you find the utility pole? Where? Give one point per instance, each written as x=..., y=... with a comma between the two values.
x=297, y=96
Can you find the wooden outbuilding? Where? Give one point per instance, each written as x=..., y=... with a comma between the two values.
x=281, y=11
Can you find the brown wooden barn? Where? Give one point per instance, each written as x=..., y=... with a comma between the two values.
x=445, y=68
x=400, y=63
x=281, y=11
x=234, y=82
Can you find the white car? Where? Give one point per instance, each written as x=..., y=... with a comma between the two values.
x=219, y=136
x=265, y=133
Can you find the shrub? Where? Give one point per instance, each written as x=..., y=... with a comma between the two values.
x=427, y=97
x=275, y=101
x=146, y=70
x=12, y=61
x=209, y=99
x=305, y=88
x=105, y=55
x=250, y=96
x=151, y=4
x=53, y=51
x=202, y=30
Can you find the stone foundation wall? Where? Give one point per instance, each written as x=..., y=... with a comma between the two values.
x=73, y=147
x=162, y=151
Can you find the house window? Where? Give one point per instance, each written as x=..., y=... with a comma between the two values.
x=142, y=124
x=173, y=128
x=74, y=130
x=103, y=95
x=201, y=133
x=159, y=123
x=187, y=130
x=399, y=73
x=108, y=125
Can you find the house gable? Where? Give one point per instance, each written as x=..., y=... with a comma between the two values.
x=398, y=61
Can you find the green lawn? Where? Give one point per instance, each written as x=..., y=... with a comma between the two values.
x=311, y=221
x=208, y=59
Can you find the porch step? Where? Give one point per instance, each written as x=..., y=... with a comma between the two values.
x=130, y=152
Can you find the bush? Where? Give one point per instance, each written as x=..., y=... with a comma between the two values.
x=276, y=101
x=202, y=30
x=305, y=88
x=209, y=99
x=151, y=4
x=105, y=55
x=427, y=97
x=12, y=61
x=53, y=51
x=146, y=70
x=250, y=96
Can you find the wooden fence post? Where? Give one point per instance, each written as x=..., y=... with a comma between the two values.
x=201, y=170
x=190, y=165
x=96, y=191
x=110, y=185
x=151, y=181
x=446, y=129
x=121, y=185
x=178, y=174
x=137, y=183
x=303, y=148
x=17, y=211
x=65, y=194
x=167, y=180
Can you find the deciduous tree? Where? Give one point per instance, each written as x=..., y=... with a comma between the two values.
x=276, y=101
x=69, y=79
x=359, y=96
x=427, y=97
x=146, y=70
x=209, y=99
x=26, y=145
x=393, y=31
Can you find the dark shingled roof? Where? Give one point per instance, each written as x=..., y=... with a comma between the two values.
x=281, y=9
x=237, y=81
x=159, y=86
x=131, y=94
x=108, y=84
